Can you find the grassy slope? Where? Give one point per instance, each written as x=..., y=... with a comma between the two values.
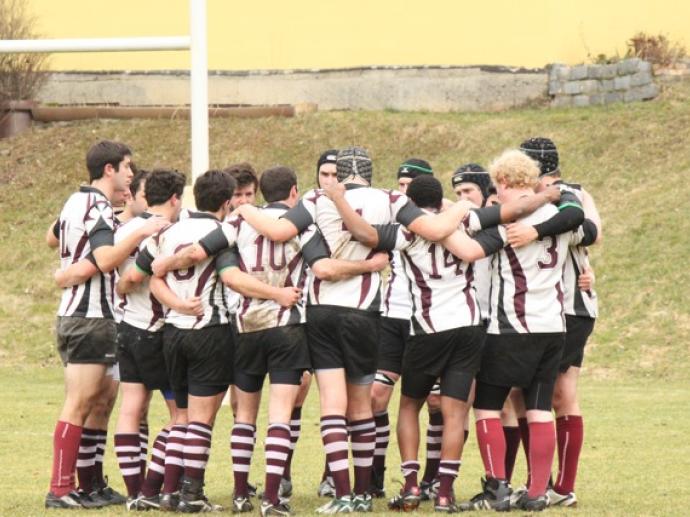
x=633, y=158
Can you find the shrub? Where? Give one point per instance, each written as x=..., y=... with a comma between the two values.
x=658, y=50
x=21, y=75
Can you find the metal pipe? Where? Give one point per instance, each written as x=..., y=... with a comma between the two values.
x=97, y=44
x=199, y=88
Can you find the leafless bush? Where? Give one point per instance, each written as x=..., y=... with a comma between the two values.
x=658, y=50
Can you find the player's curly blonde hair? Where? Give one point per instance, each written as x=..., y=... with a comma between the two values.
x=515, y=169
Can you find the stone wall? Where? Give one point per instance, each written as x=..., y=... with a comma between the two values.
x=585, y=85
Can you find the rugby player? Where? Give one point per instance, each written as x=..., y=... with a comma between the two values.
x=86, y=329
x=342, y=320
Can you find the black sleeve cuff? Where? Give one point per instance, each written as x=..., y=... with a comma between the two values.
x=56, y=229
x=568, y=219
x=228, y=257
x=490, y=240
x=408, y=213
x=388, y=234
x=315, y=249
x=590, y=233
x=489, y=216
x=144, y=261
x=299, y=216
x=214, y=242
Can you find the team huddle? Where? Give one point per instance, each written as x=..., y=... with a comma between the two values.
x=487, y=305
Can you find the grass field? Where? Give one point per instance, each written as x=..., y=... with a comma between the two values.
x=635, y=160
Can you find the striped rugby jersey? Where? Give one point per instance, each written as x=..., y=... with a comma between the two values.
x=85, y=224
x=200, y=280
x=395, y=291
x=274, y=263
x=376, y=206
x=482, y=283
x=138, y=308
x=443, y=296
x=526, y=282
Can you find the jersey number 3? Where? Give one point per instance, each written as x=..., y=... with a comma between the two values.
x=550, y=255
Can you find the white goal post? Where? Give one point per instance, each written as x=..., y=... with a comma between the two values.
x=196, y=43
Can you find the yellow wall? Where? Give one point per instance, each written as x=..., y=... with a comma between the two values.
x=282, y=34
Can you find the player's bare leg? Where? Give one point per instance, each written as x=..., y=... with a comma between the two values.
x=570, y=435
x=434, y=432
x=135, y=398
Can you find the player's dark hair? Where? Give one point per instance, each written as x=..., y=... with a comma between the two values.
x=212, y=189
x=139, y=176
x=243, y=174
x=426, y=192
x=105, y=152
x=162, y=184
x=276, y=183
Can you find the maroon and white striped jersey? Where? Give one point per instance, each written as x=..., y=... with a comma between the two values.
x=526, y=285
x=395, y=291
x=482, y=284
x=200, y=280
x=138, y=308
x=86, y=223
x=576, y=301
x=376, y=206
x=274, y=263
x=443, y=296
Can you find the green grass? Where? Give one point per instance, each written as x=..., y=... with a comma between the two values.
x=635, y=160
x=634, y=462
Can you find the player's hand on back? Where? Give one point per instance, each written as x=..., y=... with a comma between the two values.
x=379, y=261
x=552, y=193
x=586, y=279
x=191, y=306
x=337, y=190
x=160, y=266
x=288, y=296
x=520, y=234
x=154, y=225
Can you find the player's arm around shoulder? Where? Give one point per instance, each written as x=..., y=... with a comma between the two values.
x=280, y=230
x=77, y=273
x=161, y=291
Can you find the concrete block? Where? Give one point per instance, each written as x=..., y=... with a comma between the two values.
x=562, y=101
x=613, y=97
x=609, y=71
x=649, y=91
x=597, y=99
x=640, y=78
x=581, y=101
x=595, y=71
x=556, y=87
x=578, y=73
x=573, y=87
x=590, y=86
x=628, y=66
x=644, y=66
x=559, y=72
x=621, y=83
x=606, y=85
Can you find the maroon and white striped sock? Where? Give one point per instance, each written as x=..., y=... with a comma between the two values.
x=127, y=450
x=410, y=469
x=447, y=472
x=174, y=464
x=241, y=449
x=101, y=440
x=334, y=437
x=66, y=442
x=383, y=432
x=570, y=435
x=295, y=430
x=197, y=447
x=363, y=443
x=434, y=432
x=156, y=471
x=277, y=450
x=86, y=460
x=144, y=447
x=492, y=446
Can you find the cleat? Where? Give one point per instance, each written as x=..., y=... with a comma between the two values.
x=192, y=498
x=66, y=502
x=536, y=504
x=241, y=504
x=143, y=503
x=279, y=510
x=169, y=502
x=406, y=501
x=445, y=505
x=285, y=489
x=91, y=500
x=429, y=489
x=251, y=490
x=516, y=495
x=112, y=497
x=337, y=505
x=376, y=487
x=556, y=499
x=326, y=488
x=495, y=495
x=363, y=503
